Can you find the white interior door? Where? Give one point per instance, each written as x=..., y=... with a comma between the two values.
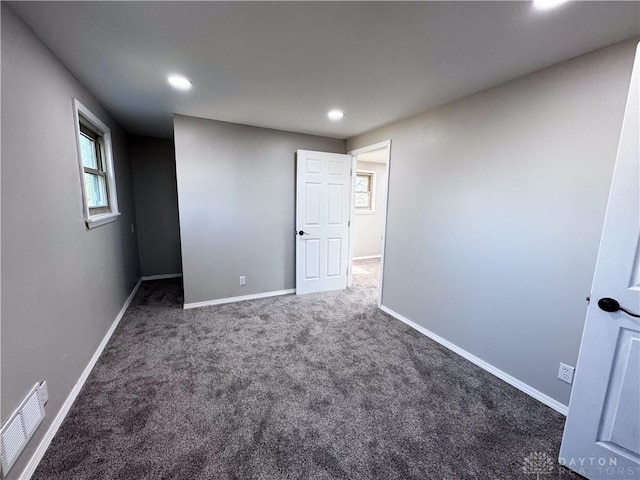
x=323, y=195
x=602, y=434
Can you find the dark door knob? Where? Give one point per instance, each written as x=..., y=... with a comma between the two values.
x=301, y=232
x=612, y=305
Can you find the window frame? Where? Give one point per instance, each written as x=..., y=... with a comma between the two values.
x=87, y=124
x=372, y=191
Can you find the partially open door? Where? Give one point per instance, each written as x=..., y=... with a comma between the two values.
x=323, y=194
x=602, y=433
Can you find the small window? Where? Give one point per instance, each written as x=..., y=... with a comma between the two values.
x=365, y=186
x=96, y=168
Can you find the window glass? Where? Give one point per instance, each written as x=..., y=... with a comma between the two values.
x=363, y=193
x=362, y=200
x=362, y=183
x=96, y=190
x=88, y=151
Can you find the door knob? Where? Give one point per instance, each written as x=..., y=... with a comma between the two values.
x=301, y=233
x=612, y=305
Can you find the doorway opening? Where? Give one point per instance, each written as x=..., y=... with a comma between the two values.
x=370, y=167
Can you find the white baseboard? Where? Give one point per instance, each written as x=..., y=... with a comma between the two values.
x=66, y=406
x=242, y=298
x=160, y=277
x=523, y=387
x=368, y=257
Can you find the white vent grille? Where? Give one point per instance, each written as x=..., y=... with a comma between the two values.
x=21, y=425
x=13, y=440
x=32, y=414
x=43, y=394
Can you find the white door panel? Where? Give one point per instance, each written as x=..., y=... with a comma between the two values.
x=602, y=434
x=323, y=191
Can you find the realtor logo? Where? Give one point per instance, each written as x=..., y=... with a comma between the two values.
x=538, y=463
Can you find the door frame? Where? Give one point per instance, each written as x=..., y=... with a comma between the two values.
x=385, y=200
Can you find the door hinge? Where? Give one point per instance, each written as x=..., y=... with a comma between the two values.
x=349, y=223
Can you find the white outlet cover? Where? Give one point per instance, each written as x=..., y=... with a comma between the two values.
x=565, y=373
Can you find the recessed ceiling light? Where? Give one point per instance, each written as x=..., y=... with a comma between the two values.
x=179, y=81
x=548, y=4
x=335, y=115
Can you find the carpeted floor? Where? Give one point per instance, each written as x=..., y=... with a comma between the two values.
x=321, y=386
x=366, y=273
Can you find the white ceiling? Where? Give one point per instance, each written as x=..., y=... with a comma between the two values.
x=376, y=156
x=283, y=65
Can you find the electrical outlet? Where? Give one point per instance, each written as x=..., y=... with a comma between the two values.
x=565, y=373
x=242, y=279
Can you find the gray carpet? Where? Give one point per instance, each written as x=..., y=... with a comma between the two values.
x=322, y=386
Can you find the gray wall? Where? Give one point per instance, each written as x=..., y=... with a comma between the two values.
x=496, y=205
x=156, y=199
x=367, y=227
x=236, y=196
x=62, y=285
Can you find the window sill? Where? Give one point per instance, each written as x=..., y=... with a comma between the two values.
x=365, y=212
x=98, y=220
